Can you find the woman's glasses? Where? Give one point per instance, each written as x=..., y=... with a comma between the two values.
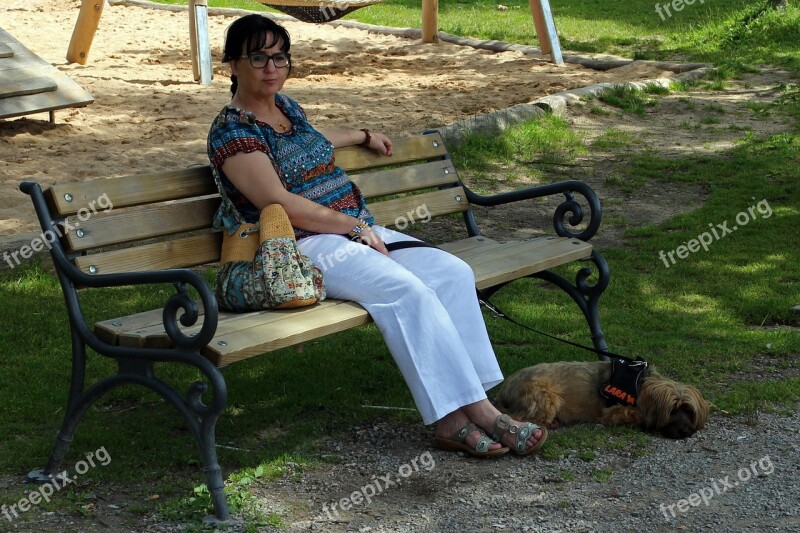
x=259, y=60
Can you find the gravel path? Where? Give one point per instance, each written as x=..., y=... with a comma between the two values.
x=738, y=474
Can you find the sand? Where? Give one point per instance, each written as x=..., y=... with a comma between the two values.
x=150, y=115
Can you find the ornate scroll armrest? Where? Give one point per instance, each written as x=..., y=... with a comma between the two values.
x=569, y=206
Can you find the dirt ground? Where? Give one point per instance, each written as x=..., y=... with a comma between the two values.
x=695, y=122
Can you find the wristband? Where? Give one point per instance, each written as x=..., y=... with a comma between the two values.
x=368, y=137
x=358, y=230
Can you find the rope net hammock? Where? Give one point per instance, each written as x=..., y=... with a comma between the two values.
x=318, y=11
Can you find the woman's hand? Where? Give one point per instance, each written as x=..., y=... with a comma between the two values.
x=340, y=137
x=371, y=239
x=380, y=143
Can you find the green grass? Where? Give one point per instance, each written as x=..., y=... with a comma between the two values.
x=627, y=98
x=550, y=140
x=614, y=138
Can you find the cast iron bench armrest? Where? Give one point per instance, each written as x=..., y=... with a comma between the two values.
x=569, y=205
x=180, y=278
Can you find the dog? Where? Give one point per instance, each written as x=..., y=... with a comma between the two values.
x=563, y=393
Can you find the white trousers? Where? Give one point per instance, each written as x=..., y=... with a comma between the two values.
x=424, y=303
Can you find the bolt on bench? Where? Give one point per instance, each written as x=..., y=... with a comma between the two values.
x=160, y=226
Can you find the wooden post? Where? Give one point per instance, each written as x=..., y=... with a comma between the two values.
x=200, y=48
x=85, y=28
x=430, y=21
x=541, y=27
x=546, y=29
x=193, y=41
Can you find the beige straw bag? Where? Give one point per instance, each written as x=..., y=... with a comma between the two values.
x=244, y=244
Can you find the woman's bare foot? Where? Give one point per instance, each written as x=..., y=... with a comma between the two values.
x=485, y=415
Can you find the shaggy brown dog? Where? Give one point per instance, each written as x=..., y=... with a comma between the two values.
x=553, y=394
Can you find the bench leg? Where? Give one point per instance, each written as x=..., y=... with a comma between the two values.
x=586, y=295
x=71, y=418
x=201, y=418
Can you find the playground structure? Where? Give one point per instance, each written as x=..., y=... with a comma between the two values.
x=315, y=11
x=29, y=84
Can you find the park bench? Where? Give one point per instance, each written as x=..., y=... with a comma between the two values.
x=160, y=227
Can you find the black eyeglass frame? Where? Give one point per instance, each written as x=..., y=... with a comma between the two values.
x=269, y=57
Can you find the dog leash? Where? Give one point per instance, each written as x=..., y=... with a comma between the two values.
x=626, y=373
x=497, y=313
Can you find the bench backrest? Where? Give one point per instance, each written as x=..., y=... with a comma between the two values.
x=163, y=220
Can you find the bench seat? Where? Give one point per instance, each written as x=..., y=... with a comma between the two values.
x=243, y=335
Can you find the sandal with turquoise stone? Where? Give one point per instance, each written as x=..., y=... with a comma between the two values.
x=458, y=443
x=504, y=424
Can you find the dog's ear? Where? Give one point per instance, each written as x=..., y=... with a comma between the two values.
x=657, y=399
x=700, y=408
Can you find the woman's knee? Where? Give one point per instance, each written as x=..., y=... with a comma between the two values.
x=459, y=273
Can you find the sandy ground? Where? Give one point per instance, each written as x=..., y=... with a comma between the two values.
x=149, y=115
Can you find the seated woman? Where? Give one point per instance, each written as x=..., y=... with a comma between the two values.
x=264, y=151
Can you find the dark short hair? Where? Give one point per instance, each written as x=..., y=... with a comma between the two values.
x=252, y=30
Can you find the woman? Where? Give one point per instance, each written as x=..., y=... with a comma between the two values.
x=264, y=151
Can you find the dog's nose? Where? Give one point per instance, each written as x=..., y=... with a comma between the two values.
x=679, y=429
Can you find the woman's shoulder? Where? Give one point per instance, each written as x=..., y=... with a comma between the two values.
x=231, y=115
x=232, y=122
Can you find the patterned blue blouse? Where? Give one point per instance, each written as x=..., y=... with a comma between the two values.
x=303, y=159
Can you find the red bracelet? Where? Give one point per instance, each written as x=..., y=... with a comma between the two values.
x=368, y=137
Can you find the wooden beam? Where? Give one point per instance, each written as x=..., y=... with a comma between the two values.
x=430, y=21
x=85, y=28
x=193, y=41
x=541, y=28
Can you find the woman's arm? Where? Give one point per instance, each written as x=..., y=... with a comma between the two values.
x=255, y=177
x=349, y=136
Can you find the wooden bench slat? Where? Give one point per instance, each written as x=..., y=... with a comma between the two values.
x=305, y=324
x=178, y=253
x=139, y=224
x=526, y=258
x=153, y=335
x=406, y=149
x=66, y=199
x=405, y=179
x=488, y=246
x=436, y=203
x=111, y=329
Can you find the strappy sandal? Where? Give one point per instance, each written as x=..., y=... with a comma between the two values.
x=523, y=432
x=458, y=443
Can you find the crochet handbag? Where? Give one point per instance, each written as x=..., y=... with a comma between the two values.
x=264, y=269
